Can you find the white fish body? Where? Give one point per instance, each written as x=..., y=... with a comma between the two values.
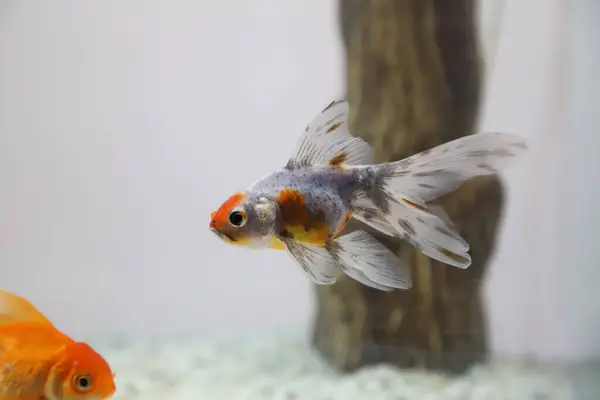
x=331, y=177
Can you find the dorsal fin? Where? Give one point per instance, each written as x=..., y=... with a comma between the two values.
x=15, y=309
x=334, y=117
x=326, y=140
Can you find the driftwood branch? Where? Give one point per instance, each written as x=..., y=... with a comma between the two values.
x=413, y=77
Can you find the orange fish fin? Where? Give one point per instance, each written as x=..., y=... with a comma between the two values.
x=15, y=309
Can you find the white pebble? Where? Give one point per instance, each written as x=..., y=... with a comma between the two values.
x=286, y=368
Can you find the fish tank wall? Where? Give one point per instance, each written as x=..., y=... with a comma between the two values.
x=124, y=124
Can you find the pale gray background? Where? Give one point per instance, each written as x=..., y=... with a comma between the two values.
x=123, y=124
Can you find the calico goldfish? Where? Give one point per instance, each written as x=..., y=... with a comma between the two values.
x=331, y=177
x=38, y=362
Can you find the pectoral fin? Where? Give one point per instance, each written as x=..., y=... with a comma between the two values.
x=316, y=261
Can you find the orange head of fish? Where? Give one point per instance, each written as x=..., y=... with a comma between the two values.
x=244, y=221
x=79, y=372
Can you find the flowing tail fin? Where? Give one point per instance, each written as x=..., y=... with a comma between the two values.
x=395, y=201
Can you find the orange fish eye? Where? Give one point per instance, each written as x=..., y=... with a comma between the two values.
x=82, y=382
x=237, y=217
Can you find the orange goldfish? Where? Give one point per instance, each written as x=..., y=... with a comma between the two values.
x=331, y=177
x=38, y=362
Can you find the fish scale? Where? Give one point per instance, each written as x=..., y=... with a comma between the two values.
x=325, y=191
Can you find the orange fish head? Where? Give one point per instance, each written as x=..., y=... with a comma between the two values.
x=80, y=373
x=243, y=221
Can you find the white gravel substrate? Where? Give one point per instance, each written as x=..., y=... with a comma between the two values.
x=285, y=368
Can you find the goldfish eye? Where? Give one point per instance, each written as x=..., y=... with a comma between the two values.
x=82, y=382
x=237, y=217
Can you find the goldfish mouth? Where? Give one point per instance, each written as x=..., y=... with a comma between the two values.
x=222, y=235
